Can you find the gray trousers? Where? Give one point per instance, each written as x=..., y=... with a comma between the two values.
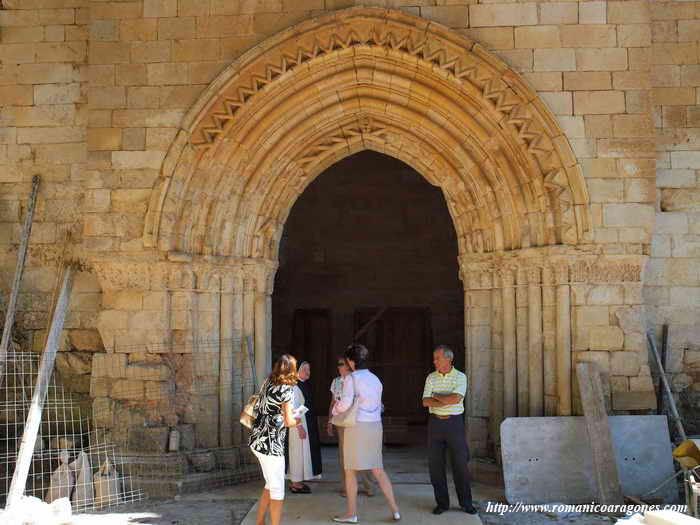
x=364, y=477
x=447, y=435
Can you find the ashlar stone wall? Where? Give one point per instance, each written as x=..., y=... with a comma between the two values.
x=95, y=92
x=673, y=285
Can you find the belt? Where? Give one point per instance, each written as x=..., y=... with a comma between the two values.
x=445, y=417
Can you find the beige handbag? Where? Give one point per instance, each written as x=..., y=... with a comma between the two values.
x=349, y=417
x=250, y=409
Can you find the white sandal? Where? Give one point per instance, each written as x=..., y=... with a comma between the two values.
x=351, y=519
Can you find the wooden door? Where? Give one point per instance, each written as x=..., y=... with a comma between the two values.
x=312, y=341
x=400, y=344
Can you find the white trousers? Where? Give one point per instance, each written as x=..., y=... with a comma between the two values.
x=273, y=472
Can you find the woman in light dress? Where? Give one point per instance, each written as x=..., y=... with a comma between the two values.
x=336, y=393
x=362, y=449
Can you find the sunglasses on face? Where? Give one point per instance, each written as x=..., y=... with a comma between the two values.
x=340, y=363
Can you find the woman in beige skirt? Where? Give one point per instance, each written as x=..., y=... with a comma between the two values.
x=363, y=441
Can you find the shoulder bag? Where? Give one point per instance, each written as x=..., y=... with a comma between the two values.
x=250, y=409
x=349, y=417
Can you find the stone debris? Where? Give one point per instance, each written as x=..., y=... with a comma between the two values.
x=33, y=511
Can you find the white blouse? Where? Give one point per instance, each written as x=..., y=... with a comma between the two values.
x=369, y=391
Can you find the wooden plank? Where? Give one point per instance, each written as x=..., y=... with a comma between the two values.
x=369, y=323
x=48, y=358
x=19, y=271
x=604, y=465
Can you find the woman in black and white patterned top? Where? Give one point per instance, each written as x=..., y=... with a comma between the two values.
x=274, y=415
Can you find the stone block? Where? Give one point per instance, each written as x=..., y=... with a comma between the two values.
x=100, y=386
x=637, y=400
x=625, y=363
x=520, y=60
x=89, y=340
x=196, y=49
x=16, y=96
x=592, y=12
x=591, y=36
x=176, y=28
x=128, y=389
x=629, y=12
x=688, y=30
x=605, y=190
x=137, y=159
x=112, y=320
x=104, y=139
x=103, y=412
x=587, y=80
x=602, y=359
x=598, y=102
x=134, y=139
x=60, y=153
x=148, y=439
x=109, y=53
x=490, y=15
x=141, y=30
x=545, y=81
x=104, y=30
x=559, y=102
x=114, y=10
x=671, y=53
x=685, y=160
x=148, y=372
x=632, y=126
x=606, y=338
x=537, y=37
x=455, y=16
x=605, y=295
x=641, y=190
x=629, y=215
x=643, y=383
x=159, y=390
x=159, y=8
x=674, y=96
x=559, y=13
x=492, y=37
x=109, y=365
x=601, y=59
x=150, y=52
x=167, y=74
x=598, y=126
x=554, y=60
x=634, y=35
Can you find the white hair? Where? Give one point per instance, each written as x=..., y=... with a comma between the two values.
x=446, y=351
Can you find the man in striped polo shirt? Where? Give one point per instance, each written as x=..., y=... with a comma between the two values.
x=444, y=396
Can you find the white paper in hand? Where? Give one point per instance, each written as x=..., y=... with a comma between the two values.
x=299, y=411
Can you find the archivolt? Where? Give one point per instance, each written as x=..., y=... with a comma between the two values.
x=367, y=79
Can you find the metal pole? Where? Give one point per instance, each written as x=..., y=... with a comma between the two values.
x=662, y=373
x=31, y=428
x=19, y=270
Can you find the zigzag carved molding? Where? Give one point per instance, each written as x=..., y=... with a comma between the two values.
x=431, y=50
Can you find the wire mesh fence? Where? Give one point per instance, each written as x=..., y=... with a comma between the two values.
x=69, y=459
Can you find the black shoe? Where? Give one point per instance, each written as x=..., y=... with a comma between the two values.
x=469, y=509
x=439, y=510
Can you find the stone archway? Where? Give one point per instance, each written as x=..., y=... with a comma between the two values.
x=374, y=79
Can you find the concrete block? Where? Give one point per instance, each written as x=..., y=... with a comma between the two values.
x=551, y=450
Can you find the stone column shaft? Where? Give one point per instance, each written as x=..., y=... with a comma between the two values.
x=564, y=349
x=522, y=346
x=226, y=372
x=510, y=364
x=535, y=361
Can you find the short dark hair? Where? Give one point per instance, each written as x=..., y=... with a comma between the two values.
x=358, y=354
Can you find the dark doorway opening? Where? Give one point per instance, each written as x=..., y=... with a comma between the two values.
x=370, y=235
